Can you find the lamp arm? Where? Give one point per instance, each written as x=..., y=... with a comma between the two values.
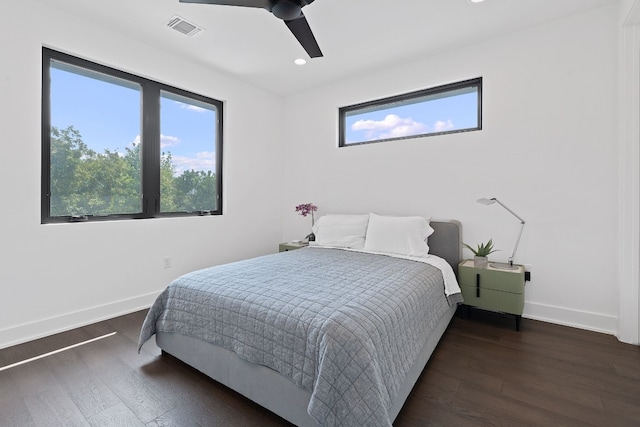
x=509, y=210
x=517, y=243
x=519, y=234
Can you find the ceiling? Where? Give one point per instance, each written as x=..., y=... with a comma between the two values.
x=355, y=36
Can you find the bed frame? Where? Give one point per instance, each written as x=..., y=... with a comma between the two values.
x=278, y=394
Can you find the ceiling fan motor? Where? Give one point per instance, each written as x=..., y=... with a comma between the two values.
x=286, y=10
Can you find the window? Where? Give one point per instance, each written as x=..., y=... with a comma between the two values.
x=118, y=146
x=451, y=108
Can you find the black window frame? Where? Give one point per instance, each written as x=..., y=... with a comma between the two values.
x=149, y=134
x=450, y=87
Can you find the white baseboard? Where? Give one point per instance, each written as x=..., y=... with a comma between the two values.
x=44, y=327
x=574, y=318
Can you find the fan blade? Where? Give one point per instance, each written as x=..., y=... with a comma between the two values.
x=300, y=28
x=264, y=4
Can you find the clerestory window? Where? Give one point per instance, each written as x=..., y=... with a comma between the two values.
x=450, y=108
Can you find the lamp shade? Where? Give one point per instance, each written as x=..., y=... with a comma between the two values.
x=485, y=201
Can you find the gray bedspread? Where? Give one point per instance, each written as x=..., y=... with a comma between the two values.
x=345, y=326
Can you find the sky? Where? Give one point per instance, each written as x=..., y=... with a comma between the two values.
x=107, y=115
x=435, y=115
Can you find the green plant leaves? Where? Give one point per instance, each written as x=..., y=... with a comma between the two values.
x=483, y=249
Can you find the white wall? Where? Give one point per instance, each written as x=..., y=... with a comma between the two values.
x=548, y=150
x=57, y=276
x=548, y=144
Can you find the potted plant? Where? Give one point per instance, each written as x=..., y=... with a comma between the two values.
x=481, y=253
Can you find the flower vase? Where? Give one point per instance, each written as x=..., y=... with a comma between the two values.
x=312, y=237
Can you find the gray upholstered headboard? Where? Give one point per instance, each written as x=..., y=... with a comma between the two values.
x=446, y=241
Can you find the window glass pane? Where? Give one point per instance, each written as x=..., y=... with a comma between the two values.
x=95, y=143
x=412, y=115
x=188, y=149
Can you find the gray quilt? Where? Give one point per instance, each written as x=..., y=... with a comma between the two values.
x=345, y=326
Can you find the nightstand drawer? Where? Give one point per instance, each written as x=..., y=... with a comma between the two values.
x=495, y=279
x=490, y=299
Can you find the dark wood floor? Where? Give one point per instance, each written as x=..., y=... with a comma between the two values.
x=482, y=373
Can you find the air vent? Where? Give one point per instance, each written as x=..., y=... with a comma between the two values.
x=183, y=26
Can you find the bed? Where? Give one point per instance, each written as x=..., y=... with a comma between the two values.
x=323, y=335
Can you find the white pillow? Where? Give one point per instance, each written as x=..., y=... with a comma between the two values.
x=403, y=235
x=341, y=231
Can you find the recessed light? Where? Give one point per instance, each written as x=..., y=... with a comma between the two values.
x=300, y=61
x=476, y=1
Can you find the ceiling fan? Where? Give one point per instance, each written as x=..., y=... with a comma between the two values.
x=290, y=11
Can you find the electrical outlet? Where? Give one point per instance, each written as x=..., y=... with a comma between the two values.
x=166, y=262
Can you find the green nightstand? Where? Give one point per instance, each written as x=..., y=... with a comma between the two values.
x=290, y=246
x=493, y=289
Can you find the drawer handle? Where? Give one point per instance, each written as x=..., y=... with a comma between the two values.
x=478, y=285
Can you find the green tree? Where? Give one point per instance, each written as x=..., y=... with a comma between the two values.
x=195, y=190
x=167, y=184
x=85, y=182
x=90, y=183
x=67, y=154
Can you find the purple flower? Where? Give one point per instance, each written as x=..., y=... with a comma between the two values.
x=306, y=209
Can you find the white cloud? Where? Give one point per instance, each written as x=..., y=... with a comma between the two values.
x=441, y=126
x=205, y=161
x=394, y=126
x=390, y=121
x=192, y=108
x=407, y=129
x=165, y=141
x=168, y=141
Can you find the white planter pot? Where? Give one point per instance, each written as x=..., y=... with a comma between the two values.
x=480, y=262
